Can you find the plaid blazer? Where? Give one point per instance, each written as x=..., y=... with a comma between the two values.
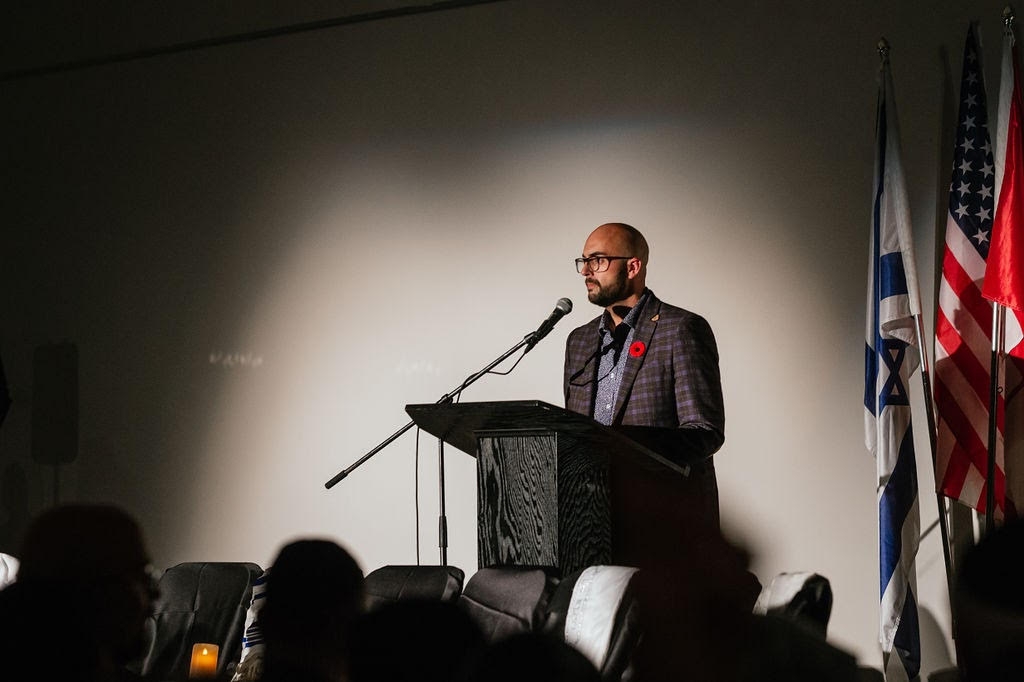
x=674, y=382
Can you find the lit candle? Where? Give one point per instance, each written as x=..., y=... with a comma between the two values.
x=204, y=662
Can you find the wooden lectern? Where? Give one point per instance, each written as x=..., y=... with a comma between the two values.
x=548, y=480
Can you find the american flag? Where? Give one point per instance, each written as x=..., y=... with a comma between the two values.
x=963, y=325
x=891, y=357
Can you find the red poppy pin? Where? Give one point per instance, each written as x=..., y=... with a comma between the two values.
x=637, y=348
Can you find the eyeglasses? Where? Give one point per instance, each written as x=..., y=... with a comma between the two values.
x=597, y=263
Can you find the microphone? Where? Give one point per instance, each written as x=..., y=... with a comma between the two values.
x=563, y=307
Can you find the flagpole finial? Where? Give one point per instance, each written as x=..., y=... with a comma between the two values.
x=883, y=49
x=1008, y=17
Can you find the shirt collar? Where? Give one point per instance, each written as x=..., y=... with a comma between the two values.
x=630, y=318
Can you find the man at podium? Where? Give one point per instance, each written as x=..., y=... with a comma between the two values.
x=645, y=363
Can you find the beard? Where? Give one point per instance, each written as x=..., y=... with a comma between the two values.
x=614, y=291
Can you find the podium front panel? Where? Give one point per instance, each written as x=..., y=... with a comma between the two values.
x=517, y=498
x=542, y=501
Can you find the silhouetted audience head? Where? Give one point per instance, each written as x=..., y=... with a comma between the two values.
x=989, y=599
x=84, y=587
x=314, y=594
x=415, y=640
x=83, y=542
x=535, y=657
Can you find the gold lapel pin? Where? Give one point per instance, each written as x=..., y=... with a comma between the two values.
x=655, y=318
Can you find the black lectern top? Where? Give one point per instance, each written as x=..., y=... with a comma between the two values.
x=459, y=424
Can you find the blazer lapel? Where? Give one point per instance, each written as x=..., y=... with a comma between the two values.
x=643, y=333
x=586, y=361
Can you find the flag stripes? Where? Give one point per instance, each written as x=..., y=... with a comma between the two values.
x=963, y=326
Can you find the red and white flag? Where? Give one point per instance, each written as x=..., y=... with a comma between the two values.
x=1004, y=278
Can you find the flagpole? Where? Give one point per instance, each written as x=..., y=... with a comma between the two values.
x=926, y=385
x=998, y=332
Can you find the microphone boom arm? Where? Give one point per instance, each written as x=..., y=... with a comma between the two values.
x=446, y=398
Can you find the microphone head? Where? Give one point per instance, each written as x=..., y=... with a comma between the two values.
x=565, y=305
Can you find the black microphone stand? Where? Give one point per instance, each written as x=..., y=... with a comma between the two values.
x=530, y=339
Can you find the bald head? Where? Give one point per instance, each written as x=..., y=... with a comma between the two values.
x=631, y=240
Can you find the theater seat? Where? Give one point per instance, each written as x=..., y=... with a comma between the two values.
x=8, y=569
x=393, y=583
x=199, y=602
x=595, y=610
x=805, y=598
x=507, y=600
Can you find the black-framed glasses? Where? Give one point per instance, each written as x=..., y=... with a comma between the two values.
x=597, y=263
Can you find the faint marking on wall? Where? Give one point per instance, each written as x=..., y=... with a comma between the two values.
x=412, y=367
x=236, y=360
